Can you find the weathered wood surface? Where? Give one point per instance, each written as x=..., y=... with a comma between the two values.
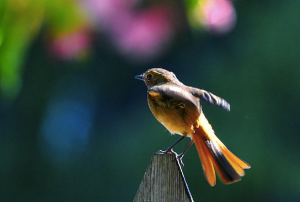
x=163, y=181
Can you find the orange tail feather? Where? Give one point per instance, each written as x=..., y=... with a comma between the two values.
x=214, y=155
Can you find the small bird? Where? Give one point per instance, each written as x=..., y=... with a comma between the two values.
x=177, y=107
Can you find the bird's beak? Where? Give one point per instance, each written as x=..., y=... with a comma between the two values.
x=140, y=77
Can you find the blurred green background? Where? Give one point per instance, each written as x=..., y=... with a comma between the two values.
x=75, y=124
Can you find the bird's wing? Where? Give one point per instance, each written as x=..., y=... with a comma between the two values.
x=176, y=93
x=210, y=98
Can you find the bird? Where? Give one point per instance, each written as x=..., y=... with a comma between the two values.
x=177, y=107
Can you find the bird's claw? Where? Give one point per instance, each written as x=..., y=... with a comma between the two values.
x=179, y=158
x=169, y=151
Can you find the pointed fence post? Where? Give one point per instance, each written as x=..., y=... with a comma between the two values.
x=163, y=181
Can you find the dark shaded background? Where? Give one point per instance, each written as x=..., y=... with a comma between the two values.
x=81, y=130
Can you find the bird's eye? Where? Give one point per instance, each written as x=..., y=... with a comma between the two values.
x=149, y=76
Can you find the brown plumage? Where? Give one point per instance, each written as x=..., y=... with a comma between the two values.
x=177, y=107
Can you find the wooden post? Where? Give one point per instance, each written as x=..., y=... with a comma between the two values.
x=163, y=181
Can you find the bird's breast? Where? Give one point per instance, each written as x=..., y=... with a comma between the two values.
x=177, y=115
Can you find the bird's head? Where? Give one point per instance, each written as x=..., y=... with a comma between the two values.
x=157, y=76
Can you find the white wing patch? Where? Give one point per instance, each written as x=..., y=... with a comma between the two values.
x=175, y=88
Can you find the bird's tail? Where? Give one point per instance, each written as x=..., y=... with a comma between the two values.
x=214, y=155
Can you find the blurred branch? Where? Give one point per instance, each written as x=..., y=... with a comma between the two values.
x=20, y=22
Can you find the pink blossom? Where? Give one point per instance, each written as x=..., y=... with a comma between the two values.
x=106, y=12
x=218, y=16
x=137, y=34
x=145, y=36
x=70, y=45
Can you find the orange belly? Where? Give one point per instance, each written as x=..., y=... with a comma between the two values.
x=176, y=116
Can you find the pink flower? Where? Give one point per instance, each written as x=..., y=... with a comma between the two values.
x=136, y=34
x=218, y=16
x=106, y=12
x=70, y=45
x=146, y=35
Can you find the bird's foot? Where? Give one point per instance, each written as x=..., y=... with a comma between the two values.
x=179, y=158
x=169, y=151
